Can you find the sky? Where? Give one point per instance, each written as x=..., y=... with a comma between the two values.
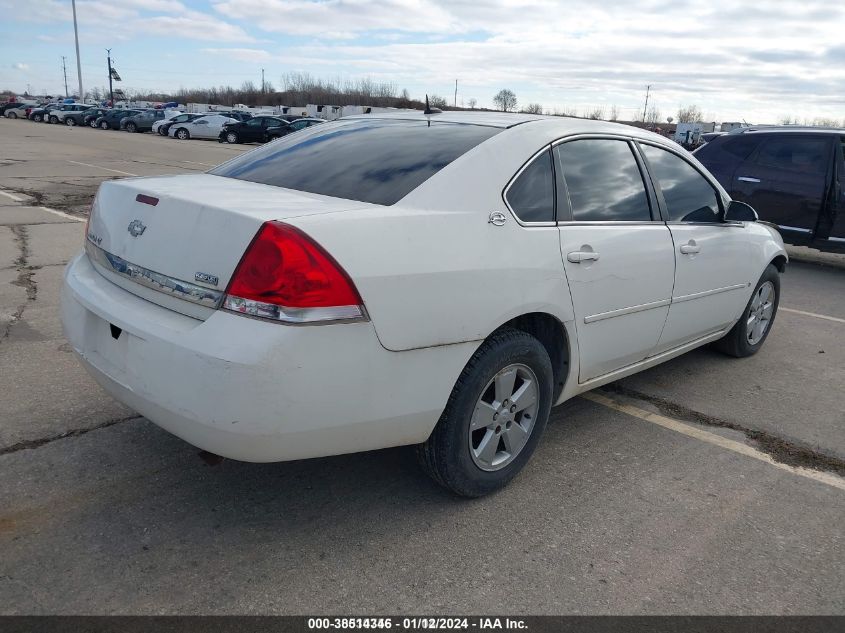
x=736, y=59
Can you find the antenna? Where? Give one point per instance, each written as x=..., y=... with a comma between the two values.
x=429, y=109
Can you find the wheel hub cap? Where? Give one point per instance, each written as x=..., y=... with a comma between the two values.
x=504, y=417
x=760, y=313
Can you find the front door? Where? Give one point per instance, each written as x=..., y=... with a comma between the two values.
x=712, y=270
x=617, y=255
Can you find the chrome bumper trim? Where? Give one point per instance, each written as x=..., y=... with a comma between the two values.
x=184, y=290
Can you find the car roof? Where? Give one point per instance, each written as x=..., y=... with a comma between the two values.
x=541, y=125
x=786, y=130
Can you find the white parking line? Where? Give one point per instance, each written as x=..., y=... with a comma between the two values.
x=813, y=314
x=712, y=438
x=9, y=195
x=116, y=171
x=61, y=214
x=193, y=162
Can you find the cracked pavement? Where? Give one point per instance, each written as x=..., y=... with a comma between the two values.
x=101, y=512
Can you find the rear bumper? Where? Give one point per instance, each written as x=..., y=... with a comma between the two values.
x=252, y=390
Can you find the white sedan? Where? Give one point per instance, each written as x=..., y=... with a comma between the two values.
x=439, y=280
x=208, y=126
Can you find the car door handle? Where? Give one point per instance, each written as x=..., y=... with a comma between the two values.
x=576, y=257
x=747, y=179
x=690, y=248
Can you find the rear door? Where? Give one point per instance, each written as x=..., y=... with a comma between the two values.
x=712, y=267
x=617, y=253
x=786, y=179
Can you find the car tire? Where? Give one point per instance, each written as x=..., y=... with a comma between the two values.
x=92, y=123
x=232, y=137
x=37, y=118
x=104, y=125
x=454, y=455
x=182, y=134
x=70, y=122
x=748, y=334
x=12, y=115
x=54, y=119
x=131, y=127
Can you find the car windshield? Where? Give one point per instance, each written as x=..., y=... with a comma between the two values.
x=377, y=160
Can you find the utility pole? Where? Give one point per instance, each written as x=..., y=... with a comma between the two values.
x=645, y=107
x=64, y=70
x=111, y=89
x=456, y=93
x=78, y=63
x=262, y=81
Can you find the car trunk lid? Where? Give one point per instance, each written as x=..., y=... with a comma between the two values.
x=192, y=229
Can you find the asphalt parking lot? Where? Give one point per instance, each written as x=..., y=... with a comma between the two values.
x=705, y=485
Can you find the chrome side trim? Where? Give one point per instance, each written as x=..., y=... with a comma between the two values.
x=793, y=228
x=837, y=239
x=707, y=293
x=171, y=286
x=623, y=311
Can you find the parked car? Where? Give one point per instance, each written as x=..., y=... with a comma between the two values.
x=468, y=271
x=38, y=114
x=77, y=117
x=792, y=176
x=238, y=115
x=111, y=119
x=90, y=117
x=58, y=115
x=208, y=126
x=254, y=130
x=142, y=122
x=16, y=110
x=295, y=126
x=163, y=127
x=9, y=105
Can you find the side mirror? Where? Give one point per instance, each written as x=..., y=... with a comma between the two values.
x=740, y=212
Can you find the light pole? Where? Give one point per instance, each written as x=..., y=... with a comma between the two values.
x=78, y=62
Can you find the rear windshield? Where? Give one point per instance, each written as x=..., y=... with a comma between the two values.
x=378, y=161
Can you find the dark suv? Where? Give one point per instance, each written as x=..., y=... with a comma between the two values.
x=793, y=177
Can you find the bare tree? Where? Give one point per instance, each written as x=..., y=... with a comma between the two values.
x=570, y=111
x=614, y=112
x=653, y=115
x=505, y=100
x=472, y=103
x=689, y=114
x=533, y=108
x=825, y=122
x=594, y=113
x=436, y=101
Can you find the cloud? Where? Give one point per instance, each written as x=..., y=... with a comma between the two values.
x=241, y=54
x=20, y=66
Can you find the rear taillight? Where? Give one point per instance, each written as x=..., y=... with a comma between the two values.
x=286, y=276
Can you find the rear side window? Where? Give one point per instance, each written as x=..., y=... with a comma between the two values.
x=803, y=155
x=378, y=161
x=603, y=180
x=532, y=194
x=688, y=195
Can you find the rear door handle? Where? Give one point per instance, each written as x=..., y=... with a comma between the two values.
x=748, y=179
x=576, y=257
x=690, y=248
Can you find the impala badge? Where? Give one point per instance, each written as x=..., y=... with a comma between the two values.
x=136, y=228
x=206, y=278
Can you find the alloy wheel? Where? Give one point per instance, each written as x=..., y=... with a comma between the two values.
x=504, y=417
x=760, y=313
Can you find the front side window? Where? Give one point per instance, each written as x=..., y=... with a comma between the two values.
x=532, y=194
x=603, y=180
x=688, y=195
x=792, y=153
x=376, y=160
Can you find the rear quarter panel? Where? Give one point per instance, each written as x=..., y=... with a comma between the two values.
x=433, y=271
